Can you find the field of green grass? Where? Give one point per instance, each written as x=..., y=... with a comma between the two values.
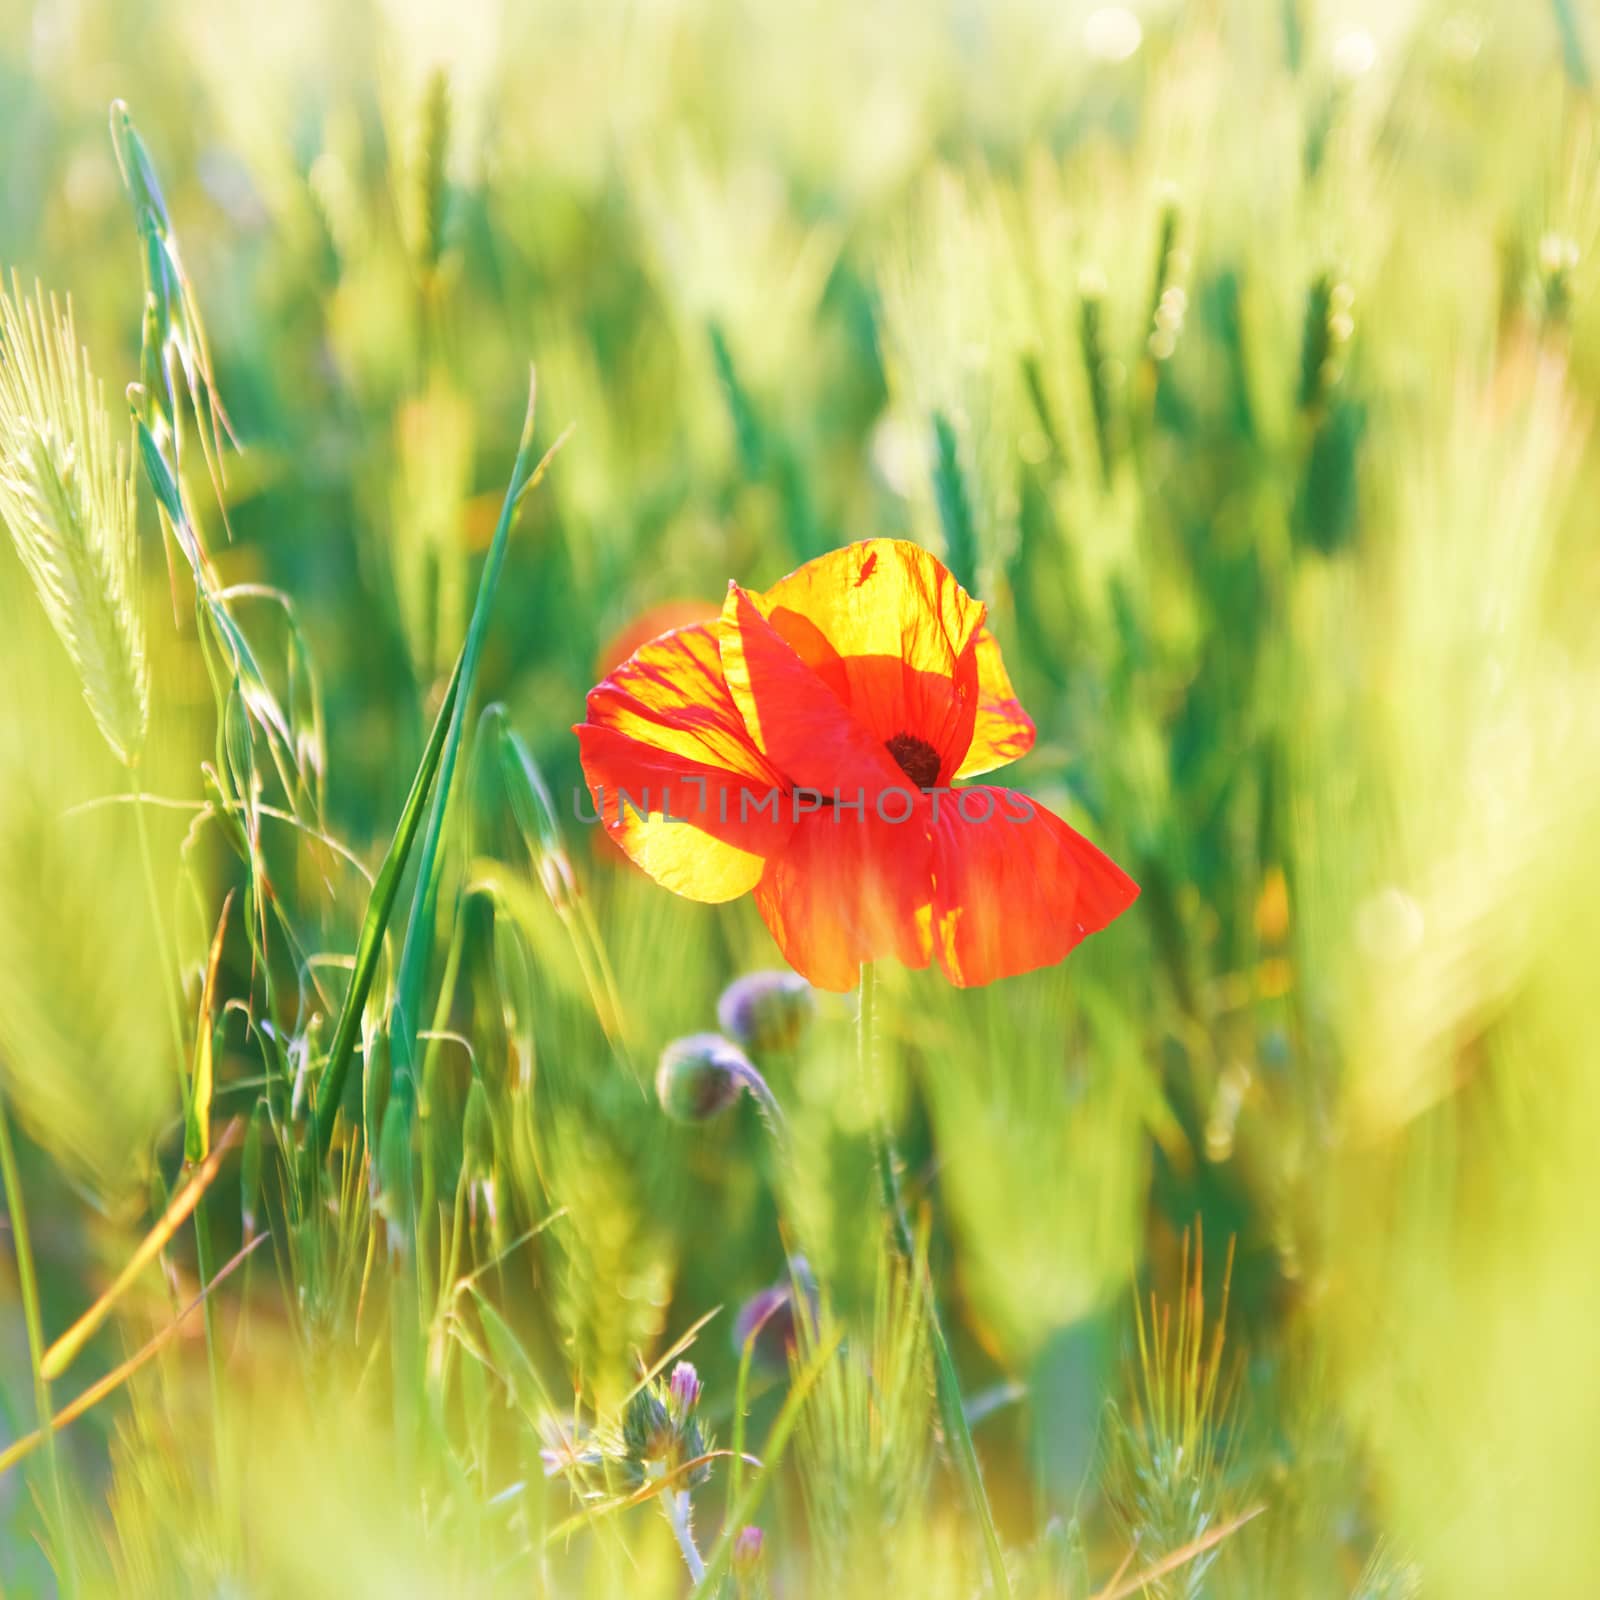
x=1242, y=355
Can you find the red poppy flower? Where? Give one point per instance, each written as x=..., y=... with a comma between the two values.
x=809, y=746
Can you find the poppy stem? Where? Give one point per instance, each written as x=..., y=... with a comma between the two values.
x=947, y=1383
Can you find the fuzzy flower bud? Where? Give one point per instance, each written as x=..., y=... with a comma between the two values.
x=747, y=1551
x=769, y=1318
x=684, y=1389
x=767, y=1011
x=701, y=1076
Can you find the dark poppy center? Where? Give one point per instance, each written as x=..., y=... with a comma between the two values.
x=915, y=757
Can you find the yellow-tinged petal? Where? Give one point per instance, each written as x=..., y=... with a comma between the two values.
x=891, y=632
x=673, y=774
x=1003, y=731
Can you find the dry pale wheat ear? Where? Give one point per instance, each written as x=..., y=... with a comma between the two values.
x=66, y=494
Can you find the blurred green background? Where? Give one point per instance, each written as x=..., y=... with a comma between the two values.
x=1242, y=355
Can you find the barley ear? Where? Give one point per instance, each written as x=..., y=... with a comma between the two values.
x=66, y=494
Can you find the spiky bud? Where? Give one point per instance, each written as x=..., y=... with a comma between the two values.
x=701, y=1076
x=647, y=1431
x=684, y=1389
x=692, y=1444
x=767, y=1011
x=748, y=1549
x=768, y=1320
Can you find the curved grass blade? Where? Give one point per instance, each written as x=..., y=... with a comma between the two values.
x=60, y=1355
x=772, y=1453
x=640, y=1496
x=380, y=905
x=197, y=1131
x=1121, y=1589
x=119, y=1374
x=420, y=925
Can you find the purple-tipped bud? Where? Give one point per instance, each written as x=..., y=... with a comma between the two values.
x=769, y=1318
x=684, y=1389
x=701, y=1076
x=747, y=1550
x=767, y=1011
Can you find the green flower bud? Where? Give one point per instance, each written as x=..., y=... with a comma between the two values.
x=647, y=1431
x=701, y=1076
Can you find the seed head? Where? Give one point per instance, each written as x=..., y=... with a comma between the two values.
x=66, y=495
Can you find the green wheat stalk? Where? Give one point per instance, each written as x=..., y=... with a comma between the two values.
x=66, y=494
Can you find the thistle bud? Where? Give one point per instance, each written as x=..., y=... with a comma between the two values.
x=701, y=1076
x=692, y=1446
x=768, y=1321
x=647, y=1431
x=767, y=1011
x=747, y=1551
x=684, y=1389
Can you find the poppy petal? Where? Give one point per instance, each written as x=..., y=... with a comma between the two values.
x=666, y=617
x=849, y=889
x=888, y=628
x=673, y=774
x=1014, y=887
x=1003, y=731
x=792, y=715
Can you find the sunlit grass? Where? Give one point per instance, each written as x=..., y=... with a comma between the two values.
x=1243, y=359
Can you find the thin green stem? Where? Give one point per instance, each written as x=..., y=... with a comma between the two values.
x=164, y=954
x=28, y=1284
x=759, y=1091
x=947, y=1382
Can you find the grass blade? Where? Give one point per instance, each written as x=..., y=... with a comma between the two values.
x=772, y=1453
x=1178, y=1558
x=197, y=1136
x=380, y=906
x=60, y=1355
x=419, y=927
x=119, y=1374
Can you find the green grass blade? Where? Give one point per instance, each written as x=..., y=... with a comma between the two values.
x=1573, y=57
x=419, y=927
x=955, y=504
x=380, y=905
x=777, y=1442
